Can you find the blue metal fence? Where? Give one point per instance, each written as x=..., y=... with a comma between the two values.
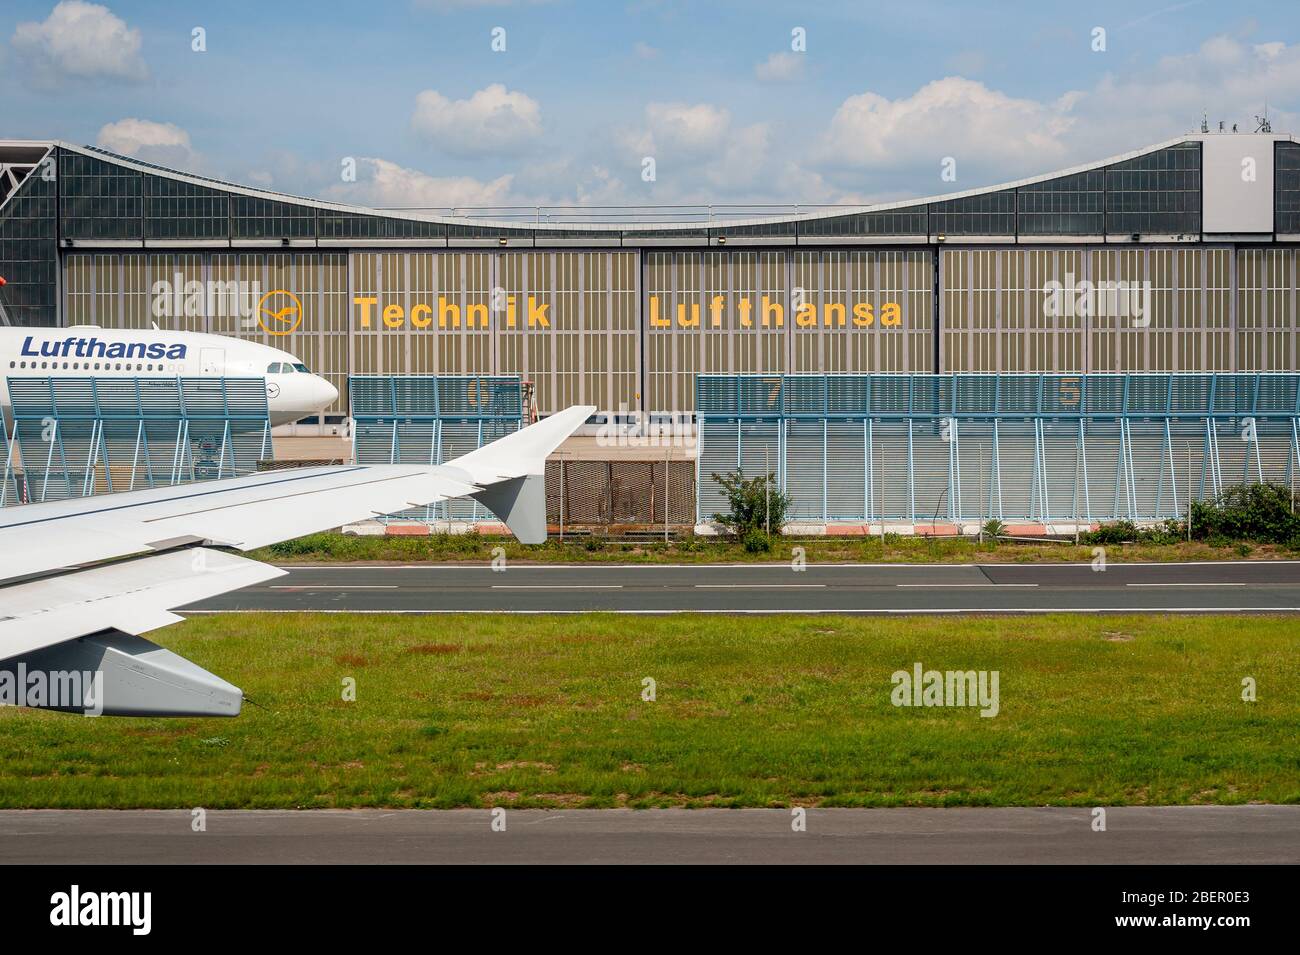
x=74, y=437
x=1039, y=448
x=429, y=419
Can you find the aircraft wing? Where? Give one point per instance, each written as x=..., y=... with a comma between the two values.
x=120, y=563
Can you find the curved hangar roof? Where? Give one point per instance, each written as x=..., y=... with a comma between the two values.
x=1185, y=189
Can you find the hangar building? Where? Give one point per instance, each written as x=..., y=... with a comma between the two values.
x=1211, y=221
x=1175, y=259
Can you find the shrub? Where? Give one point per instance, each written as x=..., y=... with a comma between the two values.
x=444, y=542
x=1258, y=512
x=754, y=504
x=1248, y=512
x=1116, y=532
x=757, y=542
x=994, y=528
x=1167, y=532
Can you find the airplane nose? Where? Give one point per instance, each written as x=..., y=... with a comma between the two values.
x=327, y=394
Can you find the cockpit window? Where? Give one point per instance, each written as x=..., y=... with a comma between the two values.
x=276, y=368
x=302, y=368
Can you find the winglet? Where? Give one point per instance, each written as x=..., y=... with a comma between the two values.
x=523, y=452
x=520, y=503
x=512, y=471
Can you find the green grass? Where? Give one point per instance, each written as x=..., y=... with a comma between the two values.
x=330, y=547
x=480, y=710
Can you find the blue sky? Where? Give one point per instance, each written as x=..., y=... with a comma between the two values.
x=586, y=91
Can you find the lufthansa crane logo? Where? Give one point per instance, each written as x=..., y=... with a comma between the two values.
x=279, y=312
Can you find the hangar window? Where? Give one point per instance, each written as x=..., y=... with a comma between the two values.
x=1067, y=205
x=1158, y=192
x=986, y=213
x=262, y=218
x=1286, y=187
x=911, y=220
x=101, y=200
x=182, y=210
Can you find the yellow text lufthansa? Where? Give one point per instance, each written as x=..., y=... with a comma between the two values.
x=772, y=314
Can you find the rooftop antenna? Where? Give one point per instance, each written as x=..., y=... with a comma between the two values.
x=1262, y=125
x=1205, y=122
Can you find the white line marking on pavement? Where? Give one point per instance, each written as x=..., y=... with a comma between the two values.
x=557, y=586
x=946, y=586
x=333, y=587
x=753, y=586
x=1208, y=584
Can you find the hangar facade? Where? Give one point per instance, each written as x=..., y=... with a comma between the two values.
x=623, y=309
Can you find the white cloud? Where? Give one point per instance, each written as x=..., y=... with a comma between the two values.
x=948, y=117
x=686, y=129
x=1224, y=77
x=868, y=147
x=493, y=121
x=743, y=162
x=384, y=183
x=699, y=153
x=162, y=143
x=1270, y=51
x=644, y=51
x=896, y=145
x=780, y=67
x=79, y=42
